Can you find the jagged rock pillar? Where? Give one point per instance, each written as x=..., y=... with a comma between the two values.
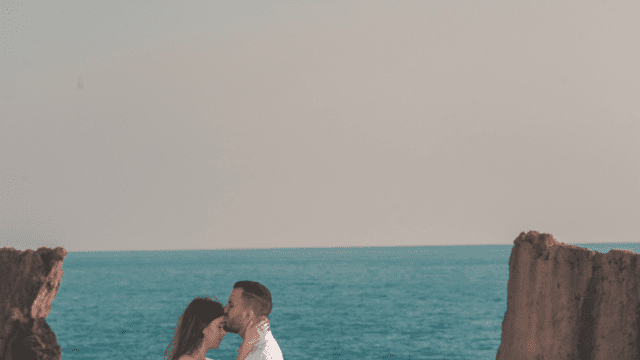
x=566, y=302
x=29, y=281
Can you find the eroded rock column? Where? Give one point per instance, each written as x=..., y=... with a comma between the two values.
x=566, y=302
x=29, y=281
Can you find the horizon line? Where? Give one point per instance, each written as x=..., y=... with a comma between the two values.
x=308, y=248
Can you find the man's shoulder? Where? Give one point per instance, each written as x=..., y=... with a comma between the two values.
x=266, y=349
x=272, y=349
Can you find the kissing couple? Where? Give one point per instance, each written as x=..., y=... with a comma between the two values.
x=205, y=322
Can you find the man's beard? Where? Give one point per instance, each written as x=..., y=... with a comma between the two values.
x=227, y=328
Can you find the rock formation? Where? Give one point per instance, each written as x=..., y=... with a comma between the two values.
x=29, y=280
x=566, y=302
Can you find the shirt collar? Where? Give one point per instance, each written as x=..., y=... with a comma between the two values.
x=264, y=326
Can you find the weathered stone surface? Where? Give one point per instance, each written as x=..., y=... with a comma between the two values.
x=566, y=302
x=29, y=281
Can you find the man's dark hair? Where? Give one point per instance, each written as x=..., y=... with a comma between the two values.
x=255, y=296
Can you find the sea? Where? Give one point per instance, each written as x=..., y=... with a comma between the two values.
x=395, y=303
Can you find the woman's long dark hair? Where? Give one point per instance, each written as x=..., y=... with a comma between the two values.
x=188, y=335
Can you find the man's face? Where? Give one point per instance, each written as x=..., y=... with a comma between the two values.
x=233, y=319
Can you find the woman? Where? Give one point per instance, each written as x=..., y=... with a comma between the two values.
x=199, y=329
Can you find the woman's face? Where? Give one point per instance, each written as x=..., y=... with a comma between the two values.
x=214, y=332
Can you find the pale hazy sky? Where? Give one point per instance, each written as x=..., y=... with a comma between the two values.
x=139, y=125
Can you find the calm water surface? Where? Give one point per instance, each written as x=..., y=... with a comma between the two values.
x=348, y=303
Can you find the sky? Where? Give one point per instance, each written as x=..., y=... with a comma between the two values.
x=165, y=125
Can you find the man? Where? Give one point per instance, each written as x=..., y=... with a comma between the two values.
x=247, y=314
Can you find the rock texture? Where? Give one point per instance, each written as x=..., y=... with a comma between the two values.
x=29, y=280
x=566, y=302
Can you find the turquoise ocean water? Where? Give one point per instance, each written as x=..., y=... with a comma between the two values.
x=399, y=303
